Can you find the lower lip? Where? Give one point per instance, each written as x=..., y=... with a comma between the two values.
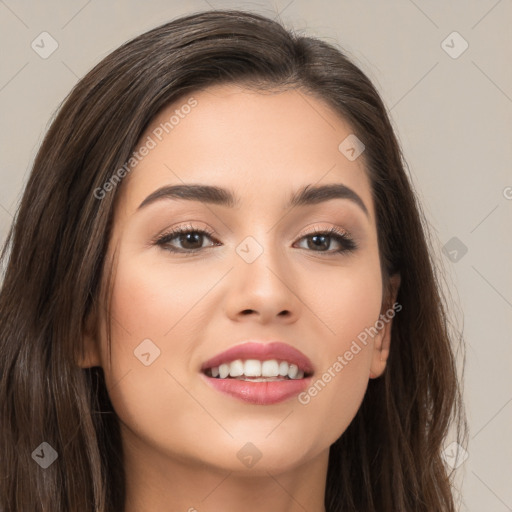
x=259, y=393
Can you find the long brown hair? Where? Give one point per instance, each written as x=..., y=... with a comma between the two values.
x=388, y=460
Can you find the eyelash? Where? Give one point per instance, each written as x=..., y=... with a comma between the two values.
x=347, y=244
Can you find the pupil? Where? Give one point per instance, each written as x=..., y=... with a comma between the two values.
x=189, y=238
x=315, y=239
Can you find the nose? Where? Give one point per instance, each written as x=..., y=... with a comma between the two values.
x=265, y=290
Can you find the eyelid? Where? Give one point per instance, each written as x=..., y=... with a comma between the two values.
x=335, y=232
x=341, y=236
x=316, y=229
x=181, y=228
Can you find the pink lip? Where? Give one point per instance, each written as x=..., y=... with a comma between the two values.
x=262, y=352
x=260, y=393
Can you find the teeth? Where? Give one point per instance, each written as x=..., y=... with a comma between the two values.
x=252, y=368
x=292, y=372
x=269, y=370
x=283, y=368
x=236, y=368
x=260, y=379
x=223, y=370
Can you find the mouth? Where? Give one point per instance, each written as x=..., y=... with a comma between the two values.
x=254, y=370
x=257, y=373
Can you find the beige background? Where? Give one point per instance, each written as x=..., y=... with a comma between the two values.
x=453, y=117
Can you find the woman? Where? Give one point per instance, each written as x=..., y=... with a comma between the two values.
x=299, y=360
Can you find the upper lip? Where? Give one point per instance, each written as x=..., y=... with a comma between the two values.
x=263, y=352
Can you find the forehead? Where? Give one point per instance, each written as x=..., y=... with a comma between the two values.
x=259, y=144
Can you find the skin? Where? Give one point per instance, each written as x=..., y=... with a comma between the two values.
x=180, y=436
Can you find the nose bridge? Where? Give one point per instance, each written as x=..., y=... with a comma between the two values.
x=259, y=258
x=261, y=276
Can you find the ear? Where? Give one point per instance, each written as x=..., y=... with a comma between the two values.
x=90, y=343
x=382, y=340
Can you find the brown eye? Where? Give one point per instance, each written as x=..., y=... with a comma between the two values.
x=190, y=241
x=186, y=239
x=320, y=241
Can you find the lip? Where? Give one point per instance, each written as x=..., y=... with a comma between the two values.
x=260, y=393
x=263, y=352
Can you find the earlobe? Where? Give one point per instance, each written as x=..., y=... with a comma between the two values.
x=90, y=355
x=382, y=341
x=380, y=351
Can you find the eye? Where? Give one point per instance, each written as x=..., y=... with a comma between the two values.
x=320, y=239
x=191, y=239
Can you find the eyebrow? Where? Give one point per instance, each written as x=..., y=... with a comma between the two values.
x=308, y=195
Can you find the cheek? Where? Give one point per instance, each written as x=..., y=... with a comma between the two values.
x=348, y=307
x=152, y=319
x=346, y=299
x=161, y=300
x=149, y=300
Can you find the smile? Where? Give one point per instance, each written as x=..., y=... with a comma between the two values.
x=256, y=371
x=259, y=373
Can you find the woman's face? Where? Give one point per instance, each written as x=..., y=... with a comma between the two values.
x=260, y=274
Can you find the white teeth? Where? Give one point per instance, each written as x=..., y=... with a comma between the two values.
x=252, y=368
x=224, y=370
x=260, y=379
x=283, y=368
x=236, y=368
x=267, y=370
x=270, y=368
x=292, y=372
